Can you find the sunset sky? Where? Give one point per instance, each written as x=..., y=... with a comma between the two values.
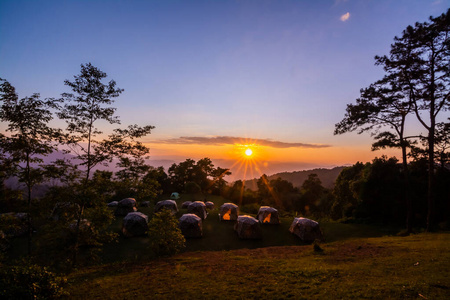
x=215, y=76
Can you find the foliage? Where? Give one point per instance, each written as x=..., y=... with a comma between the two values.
x=417, y=82
x=30, y=282
x=201, y=172
x=90, y=103
x=30, y=138
x=165, y=236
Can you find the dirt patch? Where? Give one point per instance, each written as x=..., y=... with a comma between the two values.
x=353, y=252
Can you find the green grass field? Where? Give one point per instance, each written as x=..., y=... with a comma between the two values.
x=413, y=267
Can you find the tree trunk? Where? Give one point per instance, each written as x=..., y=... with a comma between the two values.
x=29, y=189
x=430, y=193
x=407, y=191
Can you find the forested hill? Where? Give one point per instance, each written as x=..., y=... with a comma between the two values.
x=327, y=176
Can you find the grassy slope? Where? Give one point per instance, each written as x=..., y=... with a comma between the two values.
x=416, y=267
x=219, y=235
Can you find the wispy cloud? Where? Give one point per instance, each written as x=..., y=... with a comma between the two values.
x=338, y=2
x=345, y=17
x=230, y=140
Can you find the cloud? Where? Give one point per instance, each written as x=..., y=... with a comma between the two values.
x=338, y=2
x=345, y=17
x=230, y=140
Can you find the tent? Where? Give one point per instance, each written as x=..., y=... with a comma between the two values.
x=185, y=204
x=174, y=196
x=125, y=206
x=198, y=208
x=135, y=224
x=229, y=212
x=209, y=205
x=168, y=204
x=248, y=227
x=307, y=230
x=191, y=226
x=268, y=215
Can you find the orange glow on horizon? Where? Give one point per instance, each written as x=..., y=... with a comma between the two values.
x=263, y=156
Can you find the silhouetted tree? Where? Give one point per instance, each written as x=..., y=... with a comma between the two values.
x=30, y=138
x=417, y=80
x=425, y=75
x=90, y=103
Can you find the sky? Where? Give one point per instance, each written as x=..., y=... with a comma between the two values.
x=217, y=77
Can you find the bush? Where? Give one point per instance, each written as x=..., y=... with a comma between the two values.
x=165, y=236
x=30, y=282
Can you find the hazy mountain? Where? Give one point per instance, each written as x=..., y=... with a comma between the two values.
x=327, y=176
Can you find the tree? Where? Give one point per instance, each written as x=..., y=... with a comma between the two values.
x=29, y=140
x=219, y=184
x=90, y=103
x=201, y=172
x=165, y=236
x=428, y=80
x=384, y=105
x=418, y=71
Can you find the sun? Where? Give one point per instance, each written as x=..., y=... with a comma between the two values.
x=248, y=152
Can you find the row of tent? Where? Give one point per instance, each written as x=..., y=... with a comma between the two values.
x=247, y=227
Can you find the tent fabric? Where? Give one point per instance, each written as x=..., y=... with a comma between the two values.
x=113, y=204
x=307, y=230
x=174, y=196
x=268, y=215
x=135, y=224
x=191, y=226
x=209, y=205
x=229, y=212
x=186, y=204
x=198, y=208
x=168, y=204
x=248, y=227
x=125, y=206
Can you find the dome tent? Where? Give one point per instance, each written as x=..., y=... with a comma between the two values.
x=248, y=227
x=168, y=204
x=268, y=215
x=229, y=212
x=135, y=224
x=174, y=196
x=191, y=226
x=185, y=204
x=198, y=208
x=307, y=230
x=209, y=205
x=125, y=206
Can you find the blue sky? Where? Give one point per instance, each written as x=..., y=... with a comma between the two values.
x=278, y=70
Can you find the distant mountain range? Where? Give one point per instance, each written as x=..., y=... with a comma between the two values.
x=326, y=176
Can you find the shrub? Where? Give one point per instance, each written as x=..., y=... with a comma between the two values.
x=165, y=236
x=30, y=282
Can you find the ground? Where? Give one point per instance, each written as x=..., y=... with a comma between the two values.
x=413, y=267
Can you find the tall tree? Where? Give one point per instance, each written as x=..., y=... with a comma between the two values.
x=90, y=103
x=382, y=109
x=29, y=139
x=419, y=67
x=428, y=77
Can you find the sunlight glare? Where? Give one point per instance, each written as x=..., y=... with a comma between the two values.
x=248, y=152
